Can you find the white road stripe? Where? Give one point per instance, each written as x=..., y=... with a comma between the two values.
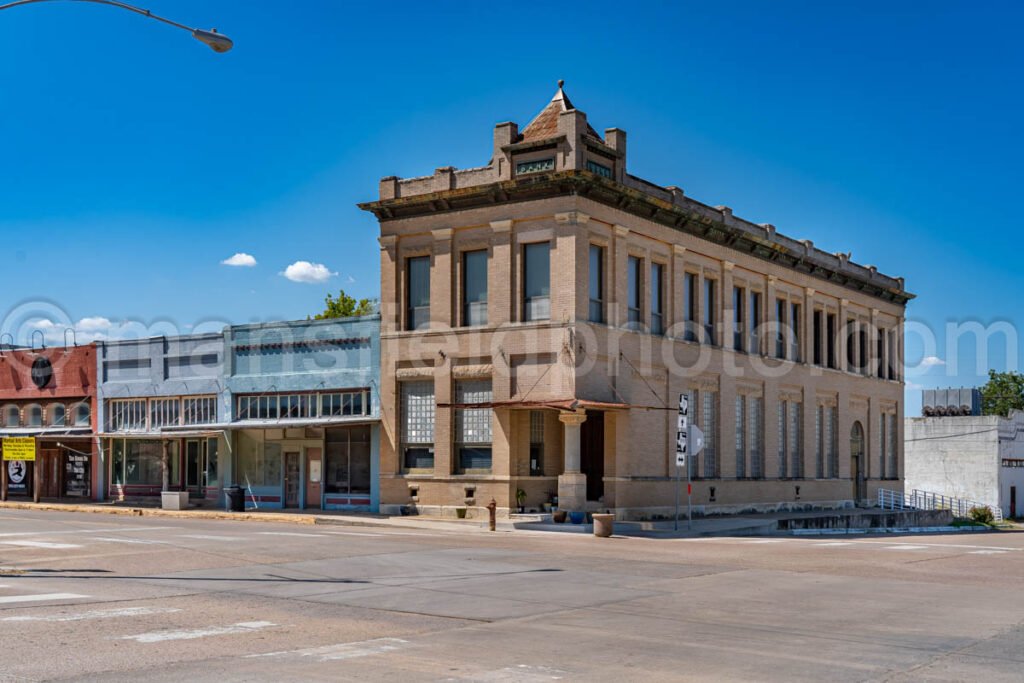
x=99, y=614
x=136, y=541
x=42, y=544
x=835, y=544
x=340, y=651
x=7, y=599
x=208, y=537
x=352, y=533
x=987, y=552
x=193, y=634
x=288, y=533
x=905, y=547
x=109, y=530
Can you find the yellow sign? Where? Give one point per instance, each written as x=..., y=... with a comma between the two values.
x=20, y=448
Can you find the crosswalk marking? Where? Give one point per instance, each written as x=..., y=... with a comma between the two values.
x=50, y=545
x=342, y=651
x=97, y=614
x=8, y=599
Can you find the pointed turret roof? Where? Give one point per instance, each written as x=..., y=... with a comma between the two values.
x=545, y=124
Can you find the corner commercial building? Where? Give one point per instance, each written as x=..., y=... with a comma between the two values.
x=542, y=313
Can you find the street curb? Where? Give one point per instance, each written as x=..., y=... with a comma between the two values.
x=892, y=530
x=156, y=512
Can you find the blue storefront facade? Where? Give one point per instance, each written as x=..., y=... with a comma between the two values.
x=289, y=411
x=305, y=412
x=163, y=398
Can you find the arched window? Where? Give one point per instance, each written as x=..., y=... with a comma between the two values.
x=56, y=415
x=82, y=415
x=12, y=416
x=34, y=415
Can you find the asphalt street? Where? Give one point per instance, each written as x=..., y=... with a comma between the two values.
x=92, y=597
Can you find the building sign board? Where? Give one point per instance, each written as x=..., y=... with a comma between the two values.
x=19, y=448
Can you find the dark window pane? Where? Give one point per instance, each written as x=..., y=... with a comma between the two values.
x=537, y=281
x=474, y=288
x=596, y=313
x=418, y=294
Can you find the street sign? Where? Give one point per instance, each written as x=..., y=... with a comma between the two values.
x=19, y=448
x=696, y=441
x=682, y=425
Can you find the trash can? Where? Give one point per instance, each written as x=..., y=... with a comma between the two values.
x=234, y=499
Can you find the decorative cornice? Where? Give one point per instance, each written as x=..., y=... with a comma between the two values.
x=442, y=233
x=687, y=216
x=502, y=226
x=572, y=218
x=620, y=230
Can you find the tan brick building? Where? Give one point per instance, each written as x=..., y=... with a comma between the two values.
x=541, y=315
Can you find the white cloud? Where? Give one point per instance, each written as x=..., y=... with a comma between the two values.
x=93, y=324
x=304, y=271
x=241, y=259
x=931, y=362
x=350, y=280
x=913, y=386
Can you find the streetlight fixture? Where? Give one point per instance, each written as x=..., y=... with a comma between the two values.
x=216, y=41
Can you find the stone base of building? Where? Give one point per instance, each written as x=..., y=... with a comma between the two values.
x=475, y=512
x=663, y=512
x=572, y=491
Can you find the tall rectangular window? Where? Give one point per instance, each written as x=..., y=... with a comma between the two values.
x=795, y=328
x=417, y=433
x=633, y=292
x=710, y=312
x=473, y=424
x=710, y=427
x=883, y=443
x=755, y=436
x=816, y=337
x=862, y=344
x=783, y=441
x=657, y=298
x=755, y=323
x=417, y=294
x=537, y=281
x=851, y=345
x=596, y=311
x=891, y=359
x=690, y=307
x=780, y=331
x=832, y=441
x=536, y=443
x=894, y=451
x=819, y=441
x=474, y=288
x=830, y=341
x=795, y=435
x=738, y=316
x=741, y=442
x=880, y=353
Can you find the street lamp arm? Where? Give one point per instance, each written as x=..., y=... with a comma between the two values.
x=216, y=41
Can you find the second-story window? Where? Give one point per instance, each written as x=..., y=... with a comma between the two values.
x=794, y=333
x=738, y=316
x=657, y=298
x=474, y=288
x=830, y=340
x=599, y=169
x=755, y=323
x=595, y=314
x=690, y=307
x=710, y=312
x=417, y=292
x=780, y=331
x=537, y=281
x=816, y=337
x=633, y=315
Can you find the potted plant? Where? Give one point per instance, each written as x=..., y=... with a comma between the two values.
x=460, y=513
x=521, y=500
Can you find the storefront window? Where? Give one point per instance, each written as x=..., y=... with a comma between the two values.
x=348, y=460
x=259, y=462
x=117, y=462
x=142, y=462
x=212, y=478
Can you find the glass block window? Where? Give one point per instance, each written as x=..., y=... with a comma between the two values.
x=599, y=169
x=819, y=444
x=755, y=436
x=894, y=453
x=536, y=426
x=126, y=415
x=536, y=166
x=710, y=427
x=473, y=425
x=694, y=409
x=417, y=424
x=200, y=410
x=831, y=441
x=741, y=447
x=795, y=436
x=783, y=424
x=536, y=443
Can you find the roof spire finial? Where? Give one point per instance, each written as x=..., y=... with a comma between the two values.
x=560, y=83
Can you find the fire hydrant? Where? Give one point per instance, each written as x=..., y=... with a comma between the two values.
x=492, y=514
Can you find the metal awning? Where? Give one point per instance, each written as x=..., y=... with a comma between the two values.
x=184, y=433
x=563, y=404
x=304, y=422
x=43, y=432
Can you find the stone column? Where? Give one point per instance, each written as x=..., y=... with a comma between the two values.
x=441, y=302
x=572, y=483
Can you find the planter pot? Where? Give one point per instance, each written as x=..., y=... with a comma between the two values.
x=460, y=513
x=547, y=507
x=174, y=500
x=604, y=525
x=577, y=517
x=558, y=516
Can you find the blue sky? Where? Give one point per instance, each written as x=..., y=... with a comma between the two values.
x=135, y=160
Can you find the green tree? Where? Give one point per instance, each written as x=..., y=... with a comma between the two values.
x=344, y=306
x=1003, y=392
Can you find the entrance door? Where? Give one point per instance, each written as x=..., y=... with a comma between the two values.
x=51, y=481
x=314, y=477
x=592, y=454
x=195, y=469
x=857, y=462
x=291, y=480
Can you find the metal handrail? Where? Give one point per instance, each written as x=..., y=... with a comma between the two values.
x=927, y=500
